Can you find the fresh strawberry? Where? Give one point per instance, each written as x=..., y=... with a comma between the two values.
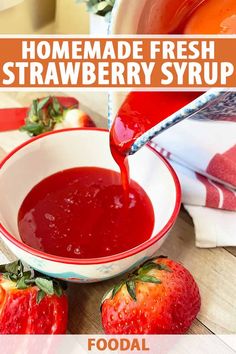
x=46, y=112
x=85, y=120
x=31, y=303
x=75, y=118
x=161, y=297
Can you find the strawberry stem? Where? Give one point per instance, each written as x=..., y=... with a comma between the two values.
x=140, y=275
x=43, y=115
x=24, y=279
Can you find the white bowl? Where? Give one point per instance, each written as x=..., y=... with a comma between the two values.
x=47, y=154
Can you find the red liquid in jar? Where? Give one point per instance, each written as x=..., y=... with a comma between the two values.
x=140, y=112
x=80, y=213
x=213, y=17
x=188, y=17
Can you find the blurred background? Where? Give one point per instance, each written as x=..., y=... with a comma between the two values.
x=50, y=17
x=43, y=17
x=54, y=17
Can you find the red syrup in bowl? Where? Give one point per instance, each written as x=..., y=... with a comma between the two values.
x=80, y=213
x=140, y=112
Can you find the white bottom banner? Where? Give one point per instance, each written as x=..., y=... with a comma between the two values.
x=81, y=344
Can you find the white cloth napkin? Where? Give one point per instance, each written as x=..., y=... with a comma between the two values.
x=203, y=155
x=207, y=147
x=213, y=227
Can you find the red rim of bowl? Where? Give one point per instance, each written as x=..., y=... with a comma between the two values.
x=101, y=260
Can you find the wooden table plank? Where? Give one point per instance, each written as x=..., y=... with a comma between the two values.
x=213, y=270
x=8, y=255
x=231, y=250
x=199, y=328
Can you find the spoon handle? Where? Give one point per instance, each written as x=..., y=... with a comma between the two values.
x=212, y=105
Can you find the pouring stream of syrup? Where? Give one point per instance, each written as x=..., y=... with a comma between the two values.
x=140, y=112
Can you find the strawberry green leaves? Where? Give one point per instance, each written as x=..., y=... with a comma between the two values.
x=12, y=271
x=149, y=279
x=130, y=285
x=11, y=268
x=38, y=106
x=45, y=285
x=140, y=275
x=40, y=295
x=26, y=278
x=116, y=289
x=150, y=265
x=22, y=281
x=43, y=115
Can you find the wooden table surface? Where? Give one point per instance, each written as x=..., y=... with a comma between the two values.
x=213, y=269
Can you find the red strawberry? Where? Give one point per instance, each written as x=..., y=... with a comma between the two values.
x=46, y=112
x=159, y=298
x=75, y=118
x=30, y=305
x=68, y=102
x=85, y=120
